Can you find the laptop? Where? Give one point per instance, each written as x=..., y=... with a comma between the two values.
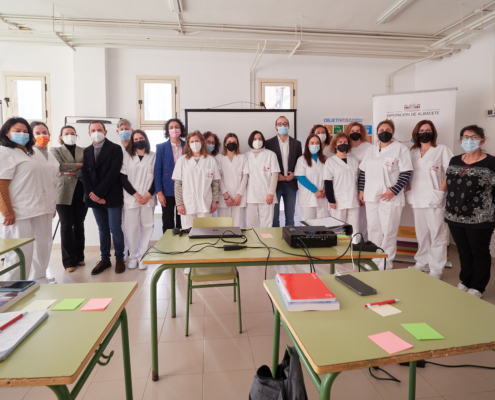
x=211, y=232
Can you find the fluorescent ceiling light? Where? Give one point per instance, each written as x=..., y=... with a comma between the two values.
x=396, y=9
x=176, y=6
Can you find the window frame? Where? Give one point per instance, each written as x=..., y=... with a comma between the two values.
x=8, y=76
x=263, y=82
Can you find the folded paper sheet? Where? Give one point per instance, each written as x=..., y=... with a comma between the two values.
x=390, y=343
x=385, y=310
x=39, y=304
x=96, y=304
x=422, y=331
x=68, y=305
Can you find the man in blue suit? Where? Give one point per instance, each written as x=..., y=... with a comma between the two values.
x=166, y=156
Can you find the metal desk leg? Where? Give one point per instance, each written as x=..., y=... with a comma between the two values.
x=326, y=385
x=276, y=341
x=61, y=391
x=126, y=354
x=154, y=319
x=332, y=268
x=172, y=293
x=412, y=380
x=22, y=266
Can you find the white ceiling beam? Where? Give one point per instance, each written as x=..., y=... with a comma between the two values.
x=392, y=12
x=63, y=39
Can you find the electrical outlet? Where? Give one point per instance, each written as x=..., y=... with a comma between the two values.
x=490, y=112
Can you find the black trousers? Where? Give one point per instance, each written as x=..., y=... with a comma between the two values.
x=474, y=253
x=170, y=214
x=72, y=228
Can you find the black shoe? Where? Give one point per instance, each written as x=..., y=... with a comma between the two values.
x=101, y=266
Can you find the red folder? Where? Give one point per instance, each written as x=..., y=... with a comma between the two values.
x=306, y=286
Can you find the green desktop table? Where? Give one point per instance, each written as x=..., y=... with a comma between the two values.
x=209, y=257
x=330, y=342
x=69, y=344
x=7, y=245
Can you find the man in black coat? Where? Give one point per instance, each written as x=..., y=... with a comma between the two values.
x=288, y=150
x=104, y=194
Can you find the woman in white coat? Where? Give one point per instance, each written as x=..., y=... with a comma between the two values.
x=262, y=185
x=27, y=203
x=234, y=173
x=196, y=179
x=384, y=172
x=430, y=162
x=341, y=183
x=322, y=132
x=137, y=178
x=309, y=172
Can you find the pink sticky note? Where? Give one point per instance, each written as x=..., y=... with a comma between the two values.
x=267, y=235
x=390, y=343
x=96, y=304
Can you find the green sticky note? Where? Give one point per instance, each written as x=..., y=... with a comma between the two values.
x=68, y=305
x=422, y=331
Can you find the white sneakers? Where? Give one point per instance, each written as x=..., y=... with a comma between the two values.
x=132, y=264
x=186, y=271
x=424, y=268
x=143, y=266
x=475, y=293
x=464, y=288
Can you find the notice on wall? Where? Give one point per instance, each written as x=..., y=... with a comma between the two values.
x=336, y=125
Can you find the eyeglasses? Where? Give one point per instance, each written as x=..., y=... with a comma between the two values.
x=428, y=131
x=475, y=137
x=210, y=142
x=283, y=124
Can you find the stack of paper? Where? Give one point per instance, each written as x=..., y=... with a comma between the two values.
x=19, y=290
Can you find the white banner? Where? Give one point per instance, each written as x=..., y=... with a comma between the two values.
x=406, y=110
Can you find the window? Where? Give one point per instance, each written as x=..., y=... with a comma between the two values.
x=26, y=95
x=277, y=93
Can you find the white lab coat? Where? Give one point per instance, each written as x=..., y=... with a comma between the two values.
x=196, y=177
x=141, y=174
x=261, y=169
x=314, y=174
x=231, y=173
x=344, y=176
x=428, y=202
x=359, y=151
x=327, y=153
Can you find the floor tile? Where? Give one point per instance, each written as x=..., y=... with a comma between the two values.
x=230, y=385
x=176, y=387
x=262, y=348
x=223, y=326
x=140, y=309
x=174, y=329
x=115, y=390
x=259, y=324
x=472, y=396
x=196, y=308
x=230, y=354
x=179, y=358
x=14, y=393
x=139, y=331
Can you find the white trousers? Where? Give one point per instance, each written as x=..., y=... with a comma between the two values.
x=126, y=245
x=37, y=253
x=187, y=220
x=433, y=237
x=383, y=226
x=313, y=212
x=138, y=228
x=259, y=215
x=363, y=223
x=351, y=216
x=236, y=213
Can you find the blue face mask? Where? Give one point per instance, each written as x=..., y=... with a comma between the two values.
x=125, y=135
x=470, y=145
x=19, y=138
x=283, y=130
x=314, y=148
x=210, y=147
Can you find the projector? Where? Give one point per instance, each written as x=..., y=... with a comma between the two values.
x=311, y=236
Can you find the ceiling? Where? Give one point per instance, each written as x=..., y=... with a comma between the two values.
x=424, y=29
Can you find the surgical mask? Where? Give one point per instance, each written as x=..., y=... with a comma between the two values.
x=425, y=137
x=125, y=135
x=231, y=146
x=385, y=136
x=195, y=147
x=343, y=148
x=210, y=147
x=314, y=148
x=19, y=138
x=140, y=145
x=283, y=130
x=355, y=136
x=323, y=137
x=257, y=144
x=42, y=140
x=97, y=136
x=70, y=140
x=174, y=133
x=470, y=145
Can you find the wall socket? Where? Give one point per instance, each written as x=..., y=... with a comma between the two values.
x=490, y=112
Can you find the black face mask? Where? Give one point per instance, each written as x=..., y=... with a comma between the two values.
x=141, y=145
x=343, y=147
x=355, y=136
x=385, y=136
x=231, y=146
x=425, y=137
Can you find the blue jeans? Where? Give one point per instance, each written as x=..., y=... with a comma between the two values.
x=110, y=220
x=289, y=197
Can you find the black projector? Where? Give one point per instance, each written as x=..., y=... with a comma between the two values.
x=311, y=236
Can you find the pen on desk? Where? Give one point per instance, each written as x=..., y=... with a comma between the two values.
x=381, y=303
x=11, y=322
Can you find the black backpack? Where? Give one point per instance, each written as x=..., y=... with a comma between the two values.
x=288, y=383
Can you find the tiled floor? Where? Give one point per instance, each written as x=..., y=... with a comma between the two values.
x=216, y=362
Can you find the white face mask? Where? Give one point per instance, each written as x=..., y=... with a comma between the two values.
x=323, y=137
x=70, y=140
x=97, y=137
x=195, y=147
x=257, y=144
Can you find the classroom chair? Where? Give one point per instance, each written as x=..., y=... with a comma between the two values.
x=213, y=274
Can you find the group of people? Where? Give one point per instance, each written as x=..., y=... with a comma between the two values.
x=197, y=175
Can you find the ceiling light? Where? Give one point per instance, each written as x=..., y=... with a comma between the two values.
x=176, y=6
x=396, y=9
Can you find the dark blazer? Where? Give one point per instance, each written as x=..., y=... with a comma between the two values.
x=295, y=151
x=67, y=183
x=164, y=168
x=103, y=177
